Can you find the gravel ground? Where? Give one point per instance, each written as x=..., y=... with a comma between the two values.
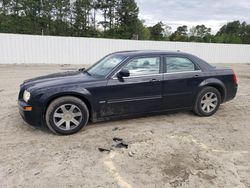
x=172, y=150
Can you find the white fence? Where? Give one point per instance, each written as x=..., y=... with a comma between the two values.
x=71, y=50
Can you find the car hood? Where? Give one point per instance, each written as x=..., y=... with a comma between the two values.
x=57, y=79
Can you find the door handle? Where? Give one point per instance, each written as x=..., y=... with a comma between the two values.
x=196, y=76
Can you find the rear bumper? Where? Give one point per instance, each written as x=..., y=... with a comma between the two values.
x=231, y=93
x=31, y=117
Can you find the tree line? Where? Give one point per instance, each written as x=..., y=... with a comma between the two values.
x=104, y=19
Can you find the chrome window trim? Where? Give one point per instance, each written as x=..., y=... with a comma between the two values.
x=182, y=72
x=170, y=73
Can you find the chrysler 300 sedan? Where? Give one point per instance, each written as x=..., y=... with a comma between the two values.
x=125, y=84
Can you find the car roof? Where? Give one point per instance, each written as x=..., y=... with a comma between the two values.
x=203, y=64
x=148, y=52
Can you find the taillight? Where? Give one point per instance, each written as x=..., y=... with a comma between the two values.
x=235, y=78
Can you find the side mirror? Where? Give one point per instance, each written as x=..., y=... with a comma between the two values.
x=123, y=73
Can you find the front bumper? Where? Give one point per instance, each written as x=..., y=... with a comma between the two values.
x=31, y=117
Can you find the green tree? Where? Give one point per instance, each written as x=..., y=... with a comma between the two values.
x=108, y=8
x=60, y=14
x=5, y=6
x=82, y=21
x=157, y=31
x=199, y=33
x=127, y=13
x=230, y=33
x=47, y=22
x=120, y=20
x=142, y=32
x=167, y=32
x=15, y=7
x=230, y=28
x=31, y=8
x=245, y=33
x=103, y=5
x=180, y=34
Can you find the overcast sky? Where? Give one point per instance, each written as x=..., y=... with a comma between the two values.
x=212, y=13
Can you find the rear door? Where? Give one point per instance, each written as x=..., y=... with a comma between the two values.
x=180, y=82
x=141, y=92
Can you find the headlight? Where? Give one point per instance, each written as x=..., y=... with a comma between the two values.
x=26, y=96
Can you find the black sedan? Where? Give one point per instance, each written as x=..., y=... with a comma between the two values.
x=125, y=84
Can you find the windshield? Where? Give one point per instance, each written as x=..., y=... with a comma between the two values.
x=105, y=65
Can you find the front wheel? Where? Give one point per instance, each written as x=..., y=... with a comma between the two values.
x=207, y=102
x=66, y=115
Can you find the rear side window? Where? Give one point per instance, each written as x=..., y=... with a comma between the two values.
x=179, y=64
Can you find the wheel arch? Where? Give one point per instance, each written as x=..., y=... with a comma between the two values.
x=77, y=95
x=217, y=84
x=220, y=89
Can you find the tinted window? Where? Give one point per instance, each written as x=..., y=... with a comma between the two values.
x=179, y=64
x=144, y=66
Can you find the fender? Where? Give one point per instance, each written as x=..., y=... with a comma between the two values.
x=218, y=84
x=53, y=93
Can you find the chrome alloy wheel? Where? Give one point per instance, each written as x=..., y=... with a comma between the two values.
x=67, y=117
x=209, y=102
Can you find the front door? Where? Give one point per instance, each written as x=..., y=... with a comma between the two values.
x=141, y=92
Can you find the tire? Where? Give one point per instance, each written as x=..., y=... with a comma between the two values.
x=208, y=96
x=66, y=115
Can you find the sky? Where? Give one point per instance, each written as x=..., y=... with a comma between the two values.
x=212, y=13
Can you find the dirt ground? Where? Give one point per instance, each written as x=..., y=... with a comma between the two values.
x=172, y=150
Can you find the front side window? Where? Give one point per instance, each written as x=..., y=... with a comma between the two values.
x=105, y=65
x=179, y=64
x=143, y=66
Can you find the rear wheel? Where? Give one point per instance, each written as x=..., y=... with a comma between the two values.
x=66, y=115
x=207, y=102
